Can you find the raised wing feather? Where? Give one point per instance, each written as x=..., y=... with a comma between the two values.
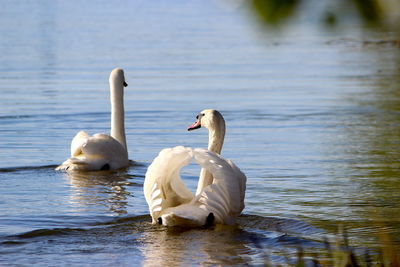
x=163, y=186
x=225, y=196
x=77, y=142
x=172, y=204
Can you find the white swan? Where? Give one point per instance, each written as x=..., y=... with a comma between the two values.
x=101, y=151
x=221, y=188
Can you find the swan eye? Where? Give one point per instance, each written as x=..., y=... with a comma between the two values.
x=200, y=115
x=159, y=221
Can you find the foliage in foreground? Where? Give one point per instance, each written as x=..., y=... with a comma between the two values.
x=369, y=12
x=339, y=253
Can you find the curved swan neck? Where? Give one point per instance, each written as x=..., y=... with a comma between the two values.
x=205, y=179
x=216, y=135
x=117, y=112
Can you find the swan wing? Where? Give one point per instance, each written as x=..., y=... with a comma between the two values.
x=163, y=187
x=77, y=142
x=225, y=196
x=220, y=202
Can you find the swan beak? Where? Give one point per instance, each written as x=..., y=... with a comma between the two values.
x=125, y=84
x=194, y=126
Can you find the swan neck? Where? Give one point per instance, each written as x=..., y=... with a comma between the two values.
x=215, y=141
x=205, y=179
x=216, y=138
x=117, y=113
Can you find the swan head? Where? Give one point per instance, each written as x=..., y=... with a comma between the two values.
x=117, y=76
x=208, y=118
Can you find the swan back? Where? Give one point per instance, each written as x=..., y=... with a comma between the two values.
x=97, y=152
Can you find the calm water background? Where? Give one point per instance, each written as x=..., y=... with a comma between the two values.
x=313, y=120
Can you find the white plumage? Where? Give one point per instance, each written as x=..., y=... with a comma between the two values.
x=221, y=188
x=169, y=199
x=97, y=152
x=101, y=151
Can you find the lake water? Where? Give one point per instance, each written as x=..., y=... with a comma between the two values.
x=313, y=120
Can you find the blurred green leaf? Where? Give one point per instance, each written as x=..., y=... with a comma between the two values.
x=274, y=11
x=369, y=10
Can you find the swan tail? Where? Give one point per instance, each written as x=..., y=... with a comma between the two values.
x=187, y=215
x=83, y=164
x=72, y=164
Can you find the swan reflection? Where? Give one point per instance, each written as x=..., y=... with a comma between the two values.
x=255, y=240
x=178, y=247
x=96, y=190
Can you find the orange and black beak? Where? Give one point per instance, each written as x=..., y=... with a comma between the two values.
x=197, y=124
x=194, y=126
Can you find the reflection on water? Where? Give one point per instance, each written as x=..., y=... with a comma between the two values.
x=172, y=247
x=362, y=148
x=101, y=188
x=375, y=139
x=134, y=241
x=255, y=240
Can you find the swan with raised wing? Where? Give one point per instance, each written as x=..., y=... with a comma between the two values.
x=220, y=193
x=101, y=151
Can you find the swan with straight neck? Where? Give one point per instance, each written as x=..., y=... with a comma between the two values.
x=101, y=151
x=117, y=84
